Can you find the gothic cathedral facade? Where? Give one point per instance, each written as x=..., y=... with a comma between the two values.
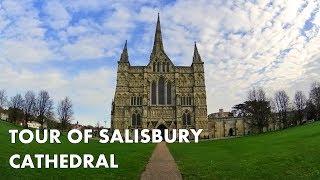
x=160, y=95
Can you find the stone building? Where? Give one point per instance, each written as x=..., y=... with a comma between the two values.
x=227, y=127
x=225, y=124
x=160, y=95
x=221, y=114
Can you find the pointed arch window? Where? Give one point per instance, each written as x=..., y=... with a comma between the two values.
x=136, y=120
x=169, y=98
x=154, y=93
x=161, y=91
x=186, y=119
x=158, y=67
x=164, y=67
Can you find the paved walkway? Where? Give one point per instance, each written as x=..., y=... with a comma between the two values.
x=161, y=165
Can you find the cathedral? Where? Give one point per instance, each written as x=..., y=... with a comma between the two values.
x=160, y=95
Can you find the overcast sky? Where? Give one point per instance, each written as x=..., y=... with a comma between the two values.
x=71, y=48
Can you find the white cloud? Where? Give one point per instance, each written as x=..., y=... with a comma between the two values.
x=58, y=16
x=27, y=50
x=91, y=47
x=22, y=36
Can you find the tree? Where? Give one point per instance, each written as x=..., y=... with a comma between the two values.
x=300, y=106
x=310, y=110
x=15, y=108
x=256, y=95
x=256, y=109
x=65, y=112
x=282, y=105
x=44, y=106
x=29, y=106
x=3, y=98
x=315, y=98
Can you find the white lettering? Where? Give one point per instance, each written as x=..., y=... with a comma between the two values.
x=13, y=133
x=104, y=138
x=78, y=136
x=11, y=161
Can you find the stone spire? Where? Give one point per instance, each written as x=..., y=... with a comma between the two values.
x=157, y=45
x=124, y=55
x=196, y=55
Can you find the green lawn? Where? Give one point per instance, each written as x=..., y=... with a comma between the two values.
x=131, y=158
x=288, y=154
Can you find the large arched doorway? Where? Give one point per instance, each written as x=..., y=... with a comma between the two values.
x=162, y=128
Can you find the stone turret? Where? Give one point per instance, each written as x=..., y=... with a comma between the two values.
x=198, y=69
x=157, y=44
x=123, y=63
x=124, y=58
x=196, y=55
x=199, y=89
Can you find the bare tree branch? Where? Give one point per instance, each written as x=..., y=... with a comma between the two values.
x=65, y=112
x=29, y=106
x=44, y=106
x=15, y=108
x=300, y=102
x=315, y=97
x=282, y=106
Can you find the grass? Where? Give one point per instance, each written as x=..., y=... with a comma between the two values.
x=288, y=154
x=131, y=158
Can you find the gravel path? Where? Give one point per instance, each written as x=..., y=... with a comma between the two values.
x=161, y=165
